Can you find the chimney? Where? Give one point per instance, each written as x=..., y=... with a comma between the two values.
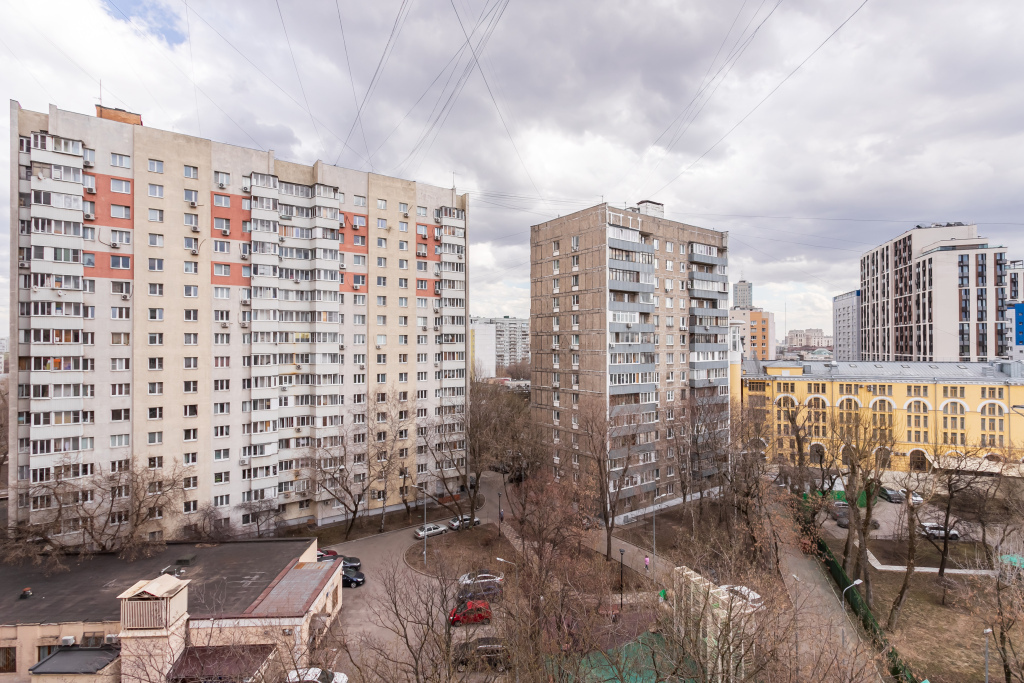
x=119, y=115
x=649, y=208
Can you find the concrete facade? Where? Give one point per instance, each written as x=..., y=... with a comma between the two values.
x=629, y=314
x=743, y=294
x=511, y=339
x=935, y=293
x=482, y=356
x=227, y=319
x=846, y=326
x=757, y=333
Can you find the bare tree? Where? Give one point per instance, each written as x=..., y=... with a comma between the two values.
x=337, y=470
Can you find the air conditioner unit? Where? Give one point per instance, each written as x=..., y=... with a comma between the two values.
x=223, y=324
x=362, y=367
x=125, y=297
x=298, y=367
x=437, y=219
x=355, y=287
x=461, y=257
x=225, y=231
x=423, y=329
x=221, y=185
x=195, y=252
x=405, y=214
x=244, y=257
x=437, y=365
x=193, y=204
x=246, y=302
x=243, y=325
x=245, y=188
x=298, y=429
x=296, y=281
x=280, y=239
x=629, y=325
x=110, y=638
x=284, y=388
x=437, y=328
x=60, y=292
x=195, y=228
x=341, y=266
x=576, y=248
x=90, y=216
x=378, y=347
x=341, y=347
x=243, y=460
x=284, y=216
x=287, y=494
x=355, y=226
x=67, y=641
x=87, y=163
x=90, y=190
x=115, y=245
x=23, y=264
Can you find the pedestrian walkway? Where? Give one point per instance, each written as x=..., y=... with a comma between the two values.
x=873, y=561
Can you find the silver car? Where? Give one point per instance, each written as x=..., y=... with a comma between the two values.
x=429, y=530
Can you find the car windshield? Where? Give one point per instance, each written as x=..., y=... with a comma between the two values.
x=325, y=676
x=350, y=572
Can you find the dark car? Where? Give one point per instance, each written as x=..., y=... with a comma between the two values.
x=470, y=612
x=489, y=652
x=350, y=562
x=489, y=590
x=843, y=522
x=350, y=578
x=891, y=495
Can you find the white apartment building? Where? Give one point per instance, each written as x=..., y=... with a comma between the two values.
x=246, y=324
x=482, y=355
x=846, y=326
x=936, y=293
x=511, y=339
x=629, y=315
x=743, y=294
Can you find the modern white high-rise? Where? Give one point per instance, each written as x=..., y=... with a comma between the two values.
x=846, y=326
x=743, y=294
x=935, y=293
x=511, y=339
x=482, y=358
x=182, y=305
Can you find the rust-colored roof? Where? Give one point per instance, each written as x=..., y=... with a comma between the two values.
x=231, y=662
x=294, y=590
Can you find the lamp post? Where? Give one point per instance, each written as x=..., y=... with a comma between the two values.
x=499, y=515
x=987, y=631
x=842, y=601
x=622, y=553
x=499, y=559
x=796, y=631
x=423, y=488
x=654, y=527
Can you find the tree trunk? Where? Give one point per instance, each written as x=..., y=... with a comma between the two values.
x=901, y=597
x=945, y=543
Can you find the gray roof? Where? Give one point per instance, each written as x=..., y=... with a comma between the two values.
x=76, y=660
x=220, y=662
x=226, y=579
x=1000, y=372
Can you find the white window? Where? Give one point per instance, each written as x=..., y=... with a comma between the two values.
x=117, y=211
x=221, y=292
x=156, y=167
x=120, y=160
x=382, y=204
x=221, y=200
x=156, y=190
x=221, y=269
x=120, y=186
x=156, y=215
x=222, y=178
x=191, y=219
x=156, y=240
x=222, y=246
x=121, y=236
x=192, y=267
x=191, y=172
x=191, y=291
x=359, y=201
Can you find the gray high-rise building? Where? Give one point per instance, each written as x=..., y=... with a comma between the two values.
x=743, y=294
x=846, y=326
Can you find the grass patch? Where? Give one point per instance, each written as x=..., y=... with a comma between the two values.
x=458, y=552
x=962, y=554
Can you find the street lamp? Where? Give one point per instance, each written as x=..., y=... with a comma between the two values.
x=796, y=632
x=654, y=526
x=499, y=515
x=1017, y=409
x=499, y=559
x=855, y=583
x=622, y=553
x=423, y=488
x=987, y=631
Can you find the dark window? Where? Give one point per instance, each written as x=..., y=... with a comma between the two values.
x=47, y=650
x=8, y=660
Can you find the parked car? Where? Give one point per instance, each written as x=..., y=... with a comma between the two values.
x=481, y=576
x=350, y=562
x=350, y=578
x=935, y=530
x=322, y=555
x=843, y=522
x=915, y=497
x=470, y=612
x=592, y=522
x=314, y=675
x=429, y=530
x=489, y=590
x=891, y=495
x=463, y=522
x=841, y=512
x=754, y=599
x=840, y=504
x=489, y=652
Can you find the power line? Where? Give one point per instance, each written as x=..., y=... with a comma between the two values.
x=489, y=92
x=298, y=75
x=192, y=60
x=29, y=72
x=352, y=82
x=765, y=99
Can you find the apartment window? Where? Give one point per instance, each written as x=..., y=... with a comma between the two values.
x=156, y=462
x=221, y=200
x=191, y=315
x=116, y=236
x=191, y=267
x=156, y=388
x=191, y=458
x=191, y=339
x=190, y=506
x=120, y=160
x=155, y=438
x=221, y=269
x=191, y=172
x=156, y=413
x=156, y=363
x=190, y=434
x=156, y=240
x=191, y=362
x=120, y=262
x=221, y=477
x=191, y=291
x=156, y=314
x=222, y=178
x=156, y=166
x=156, y=264
x=156, y=216
x=117, y=211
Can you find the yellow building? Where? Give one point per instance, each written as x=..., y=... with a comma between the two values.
x=922, y=415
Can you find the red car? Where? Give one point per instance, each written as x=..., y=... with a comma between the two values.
x=471, y=612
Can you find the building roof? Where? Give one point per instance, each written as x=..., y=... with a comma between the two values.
x=293, y=593
x=226, y=579
x=869, y=371
x=77, y=660
x=220, y=662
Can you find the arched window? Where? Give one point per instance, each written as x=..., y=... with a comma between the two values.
x=817, y=453
x=918, y=463
x=883, y=457
x=847, y=455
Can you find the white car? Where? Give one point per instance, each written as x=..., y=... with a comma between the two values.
x=465, y=521
x=481, y=576
x=314, y=675
x=915, y=497
x=429, y=530
x=934, y=530
x=752, y=598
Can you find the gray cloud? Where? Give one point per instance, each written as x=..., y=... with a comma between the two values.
x=911, y=113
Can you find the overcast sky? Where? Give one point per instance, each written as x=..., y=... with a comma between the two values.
x=911, y=112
